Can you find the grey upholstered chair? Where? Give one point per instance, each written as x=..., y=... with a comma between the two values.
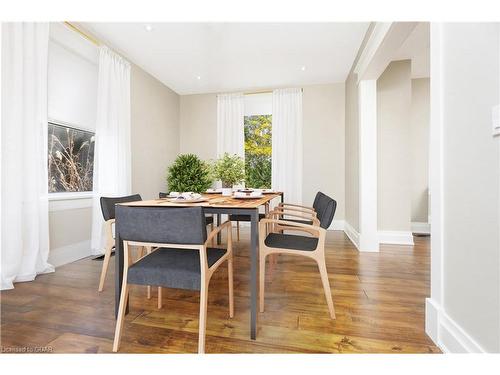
x=238, y=218
x=108, y=213
x=303, y=214
x=209, y=219
x=312, y=246
x=182, y=258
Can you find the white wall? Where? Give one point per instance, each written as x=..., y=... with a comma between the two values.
x=393, y=125
x=419, y=143
x=154, y=132
x=463, y=313
x=198, y=125
x=351, y=153
x=323, y=137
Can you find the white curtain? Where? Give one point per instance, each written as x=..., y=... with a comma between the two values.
x=24, y=175
x=230, y=118
x=287, y=144
x=112, y=175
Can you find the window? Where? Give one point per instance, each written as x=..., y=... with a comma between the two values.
x=70, y=159
x=258, y=151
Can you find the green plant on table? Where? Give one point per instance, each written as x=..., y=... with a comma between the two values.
x=230, y=169
x=189, y=173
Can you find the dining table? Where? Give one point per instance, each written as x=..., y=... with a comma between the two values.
x=217, y=204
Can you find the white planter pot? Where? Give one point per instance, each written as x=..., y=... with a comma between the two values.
x=227, y=192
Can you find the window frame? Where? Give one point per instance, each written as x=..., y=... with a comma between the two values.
x=70, y=199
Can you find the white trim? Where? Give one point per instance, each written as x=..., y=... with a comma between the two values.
x=368, y=239
x=69, y=202
x=352, y=234
x=70, y=195
x=432, y=319
x=70, y=253
x=376, y=39
x=393, y=237
x=420, y=227
x=446, y=332
x=436, y=148
x=385, y=40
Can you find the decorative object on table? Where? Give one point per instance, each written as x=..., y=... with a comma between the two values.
x=188, y=197
x=214, y=191
x=230, y=170
x=189, y=173
x=250, y=195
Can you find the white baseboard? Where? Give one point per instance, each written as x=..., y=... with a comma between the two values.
x=70, y=253
x=395, y=237
x=446, y=333
x=420, y=227
x=352, y=234
x=337, y=225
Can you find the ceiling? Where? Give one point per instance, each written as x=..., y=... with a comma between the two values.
x=417, y=48
x=193, y=58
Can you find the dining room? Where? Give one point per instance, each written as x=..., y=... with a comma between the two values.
x=208, y=187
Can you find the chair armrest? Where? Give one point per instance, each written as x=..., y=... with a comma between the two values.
x=306, y=216
x=296, y=206
x=291, y=225
x=292, y=212
x=216, y=230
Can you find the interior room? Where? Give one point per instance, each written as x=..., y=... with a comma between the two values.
x=270, y=187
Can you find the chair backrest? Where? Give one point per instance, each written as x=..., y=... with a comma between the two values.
x=108, y=204
x=162, y=195
x=168, y=225
x=325, y=209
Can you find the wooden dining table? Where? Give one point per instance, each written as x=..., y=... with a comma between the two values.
x=218, y=205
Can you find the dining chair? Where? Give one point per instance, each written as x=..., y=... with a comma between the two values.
x=209, y=219
x=245, y=218
x=302, y=211
x=312, y=246
x=108, y=213
x=182, y=258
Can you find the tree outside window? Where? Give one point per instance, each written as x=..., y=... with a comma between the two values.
x=258, y=151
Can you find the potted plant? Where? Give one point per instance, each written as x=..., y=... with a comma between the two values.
x=230, y=170
x=189, y=173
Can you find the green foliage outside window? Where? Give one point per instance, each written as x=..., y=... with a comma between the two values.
x=258, y=151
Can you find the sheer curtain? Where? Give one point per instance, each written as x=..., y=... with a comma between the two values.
x=24, y=175
x=287, y=143
x=230, y=118
x=112, y=170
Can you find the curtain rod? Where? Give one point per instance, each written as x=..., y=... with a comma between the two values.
x=85, y=35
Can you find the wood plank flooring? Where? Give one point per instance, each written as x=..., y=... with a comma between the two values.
x=379, y=301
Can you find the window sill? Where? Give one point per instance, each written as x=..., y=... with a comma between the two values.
x=70, y=201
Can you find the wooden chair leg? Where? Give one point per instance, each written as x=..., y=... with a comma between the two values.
x=105, y=264
x=149, y=291
x=231, y=288
x=238, y=231
x=262, y=278
x=121, y=316
x=326, y=286
x=159, y=298
x=273, y=261
x=211, y=229
x=203, y=316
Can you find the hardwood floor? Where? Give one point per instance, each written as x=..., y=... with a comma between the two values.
x=379, y=302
